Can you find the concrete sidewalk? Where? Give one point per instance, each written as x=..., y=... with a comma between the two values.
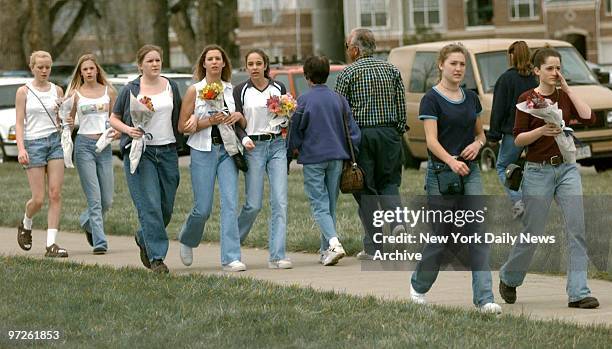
x=542, y=297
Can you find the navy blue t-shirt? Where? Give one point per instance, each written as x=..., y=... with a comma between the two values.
x=456, y=119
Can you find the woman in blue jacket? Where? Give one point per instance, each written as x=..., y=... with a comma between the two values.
x=318, y=138
x=510, y=85
x=153, y=185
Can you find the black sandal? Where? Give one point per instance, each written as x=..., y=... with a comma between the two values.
x=24, y=237
x=55, y=251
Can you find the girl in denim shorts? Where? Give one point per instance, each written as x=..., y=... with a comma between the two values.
x=40, y=150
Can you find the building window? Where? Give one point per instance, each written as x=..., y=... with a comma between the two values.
x=609, y=7
x=425, y=13
x=373, y=13
x=479, y=12
x=524, y=9
x=265, y=12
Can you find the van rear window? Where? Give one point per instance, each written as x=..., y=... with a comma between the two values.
x=425, y=73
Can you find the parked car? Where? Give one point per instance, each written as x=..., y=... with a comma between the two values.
x=486, y=62
x=8, y=141
x=182, y=80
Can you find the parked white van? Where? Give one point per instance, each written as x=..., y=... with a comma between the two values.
x=8, y=142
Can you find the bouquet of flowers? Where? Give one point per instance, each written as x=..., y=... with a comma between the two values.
x=141, y=112
x=544, y=109
x=212, y=93
x=64, y=111
x=282, y=107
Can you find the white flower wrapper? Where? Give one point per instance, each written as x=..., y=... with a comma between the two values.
x=66, y=138
x=553, y=115
x=141, y=116
x=105, y=139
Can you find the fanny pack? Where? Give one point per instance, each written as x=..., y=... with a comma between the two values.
x=449, y=182
x=514, y=176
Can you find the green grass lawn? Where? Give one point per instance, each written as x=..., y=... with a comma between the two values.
x=302, y=232
x=101, y=307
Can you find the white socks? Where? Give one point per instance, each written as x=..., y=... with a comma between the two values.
x=51, y=235
x=27, y=222
x=333, y=242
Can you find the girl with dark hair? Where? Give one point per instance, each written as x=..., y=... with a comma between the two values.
x=94, y=99
x=510, y=85
x=268, y=157
x=210, y=160
x=153, y=185
x=548, y=175
x=454, y=136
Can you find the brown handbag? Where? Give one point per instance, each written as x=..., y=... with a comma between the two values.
x=352, y=179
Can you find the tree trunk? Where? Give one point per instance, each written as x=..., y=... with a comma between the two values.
x=40, y=35
x=159, y=10
x=181, y=24
x=13, y=18
x=218, y=21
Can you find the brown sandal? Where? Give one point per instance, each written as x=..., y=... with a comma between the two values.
x=56, y=251
x=24, y=237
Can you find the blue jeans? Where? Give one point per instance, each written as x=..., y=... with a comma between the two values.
x=153, y=189
x=42, y=150
x=206, y=166
x=427, y=269
x=322, y=185
x=97, y=181
x=268, y=157
x=542, y=184
x=508, y=153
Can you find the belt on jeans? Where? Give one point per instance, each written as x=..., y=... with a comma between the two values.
x=170, y=146
x=266, y=137
x=554, y=161
x=217, y=140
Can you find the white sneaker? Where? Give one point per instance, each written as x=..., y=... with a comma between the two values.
x=332, y=255
x=417, y=298
x=490, y=308
x=363, y=256
x=235, y=266
x=280, y=264
x=518, y=209
x=186, y=254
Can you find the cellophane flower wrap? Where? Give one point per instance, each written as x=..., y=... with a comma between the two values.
x=141, y=111
x=282, y=107
x=105, y=139
x=66, y=137
x=545, y=109
x=212, y=93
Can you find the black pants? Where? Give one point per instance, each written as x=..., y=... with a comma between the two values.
x=380, y=154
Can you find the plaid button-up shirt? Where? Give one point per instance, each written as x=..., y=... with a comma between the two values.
x=375, y=92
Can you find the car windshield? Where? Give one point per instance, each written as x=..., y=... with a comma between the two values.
x=494, y=64
x=7, y=95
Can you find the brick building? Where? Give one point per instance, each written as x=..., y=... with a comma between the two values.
x=284, y=29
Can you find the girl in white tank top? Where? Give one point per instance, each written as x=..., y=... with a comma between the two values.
x=93, y=102
x=40, y=151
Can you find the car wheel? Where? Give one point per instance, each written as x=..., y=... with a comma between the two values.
x=3, y=156
x=487, y=159
x=603, y=165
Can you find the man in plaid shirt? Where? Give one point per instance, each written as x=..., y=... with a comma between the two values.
x=375, y=92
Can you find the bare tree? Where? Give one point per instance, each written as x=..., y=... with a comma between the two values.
x=13, y=18
x=159, y=9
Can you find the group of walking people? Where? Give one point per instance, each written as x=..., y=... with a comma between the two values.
x=369, y=97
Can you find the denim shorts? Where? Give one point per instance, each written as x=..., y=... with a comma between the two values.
x=42, y=150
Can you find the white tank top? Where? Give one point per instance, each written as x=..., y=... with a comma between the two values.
x=160, y=126
x=93, y=113
x=38, y=124
x=202, y=139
